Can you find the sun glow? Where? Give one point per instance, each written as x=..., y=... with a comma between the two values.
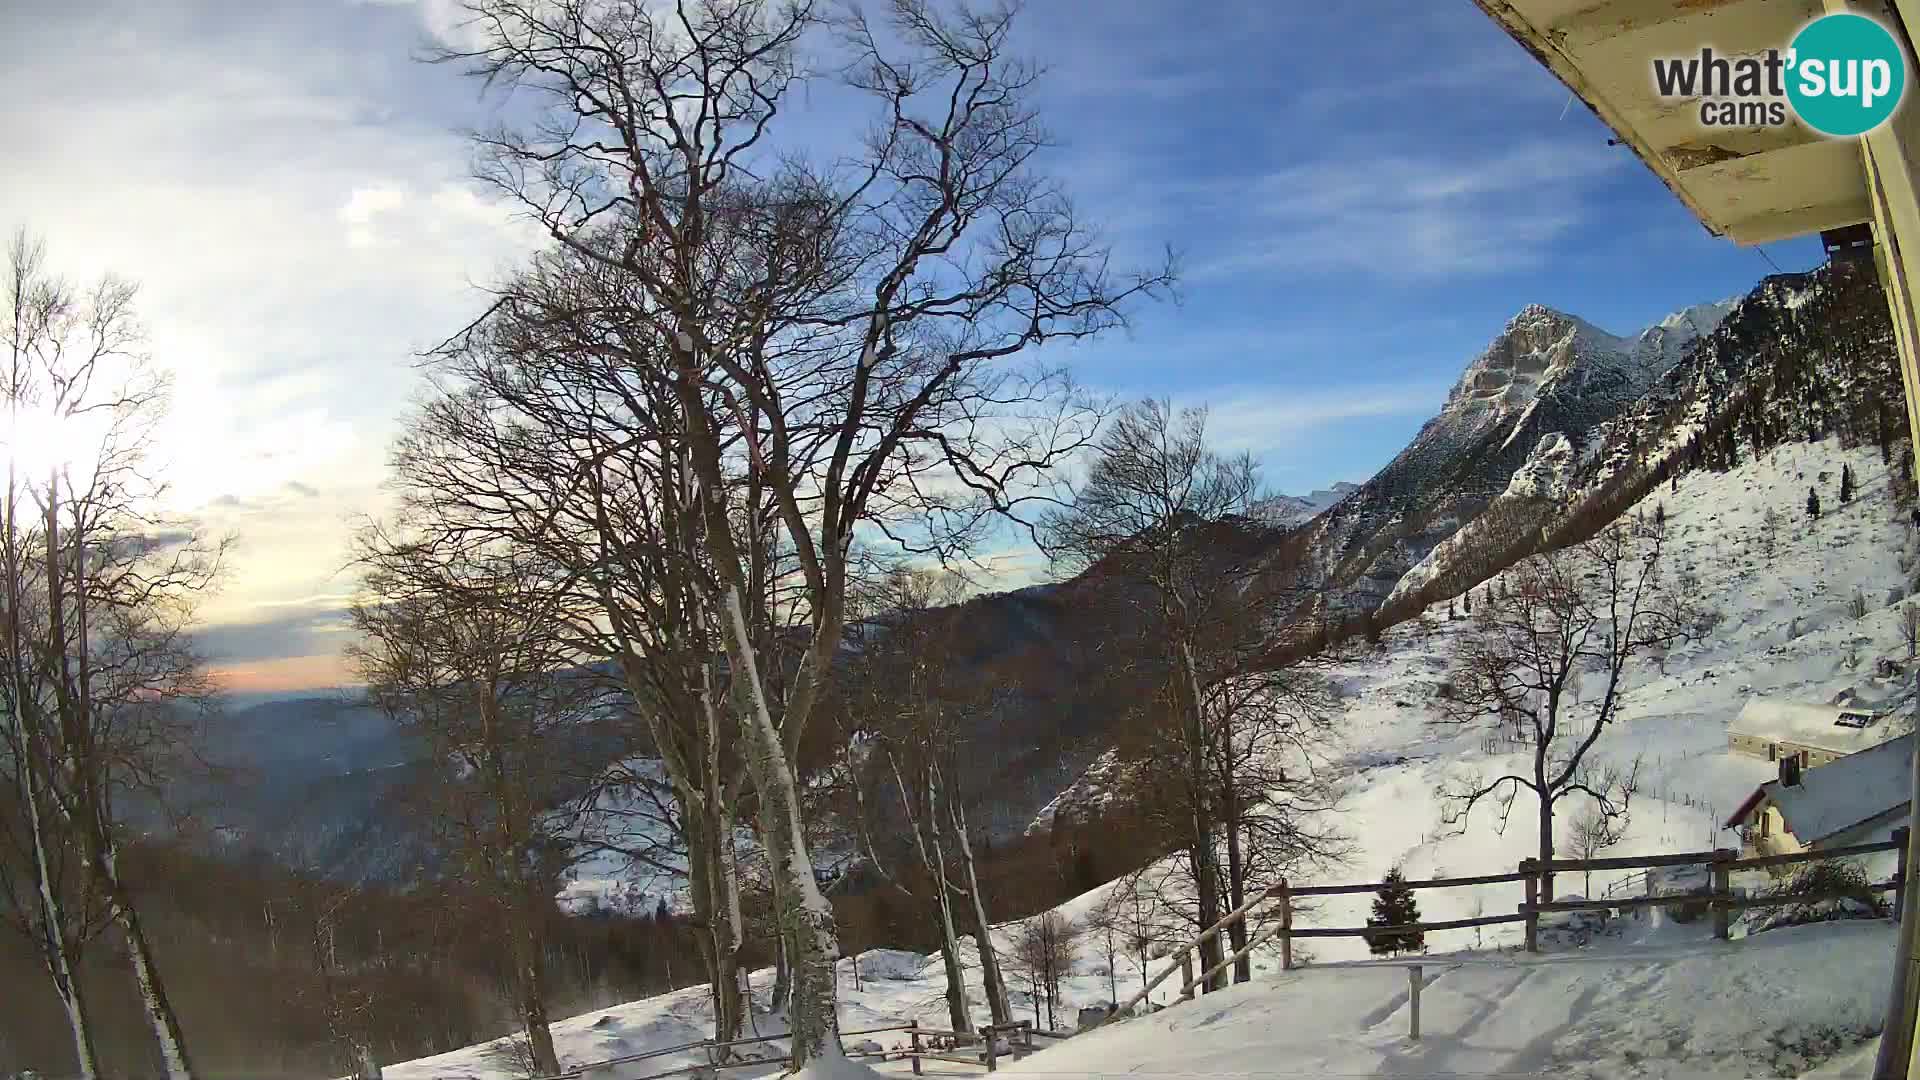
x=36, y=442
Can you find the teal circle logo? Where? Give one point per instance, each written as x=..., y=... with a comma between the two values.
x=1846, y=74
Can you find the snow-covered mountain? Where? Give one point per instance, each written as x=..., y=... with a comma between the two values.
x=1547, y=380
x=1802, y=357
x=1289, y=511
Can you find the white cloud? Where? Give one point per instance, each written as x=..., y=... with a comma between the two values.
x=298, y=218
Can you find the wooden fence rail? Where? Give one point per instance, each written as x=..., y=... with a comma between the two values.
x=1019, y=1037
x=1718, y=897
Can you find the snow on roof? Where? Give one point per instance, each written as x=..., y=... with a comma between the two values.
x=1818, y=726
x=1846, y=792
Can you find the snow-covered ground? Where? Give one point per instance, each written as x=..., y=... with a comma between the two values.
x=1769, y=1005
x=1655, y=1000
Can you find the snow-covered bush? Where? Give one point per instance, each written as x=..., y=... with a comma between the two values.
x=1809, y=896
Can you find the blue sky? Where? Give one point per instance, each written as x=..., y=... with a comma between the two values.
x=1361, y=195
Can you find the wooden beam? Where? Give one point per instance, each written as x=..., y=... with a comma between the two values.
x=1428, y=883
x=1726, y=24
x=1770, y=227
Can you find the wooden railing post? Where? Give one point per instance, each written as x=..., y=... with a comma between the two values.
x=1286, y=926
x=1531, y=868
x=1722, y=894
x=1413, y=999
x=913, y=1030
x=1026, y=1035
x=1900, y=875
x=1186, y=975
x=993, y=1051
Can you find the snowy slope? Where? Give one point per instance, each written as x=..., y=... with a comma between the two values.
x=1770, y=1005
x=1657, y=1000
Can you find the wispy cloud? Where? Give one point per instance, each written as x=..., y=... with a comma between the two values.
x=1397, y=213
x=1264, y=419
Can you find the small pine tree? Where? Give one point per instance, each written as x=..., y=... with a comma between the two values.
x=1846, y=483
x=1449, y=611
x=1467, y=600
x=662, y=914
x=1660, y=514
x=1813, y=505
x=1393, y=906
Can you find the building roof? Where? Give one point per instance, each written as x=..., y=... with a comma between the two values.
x=1817, y=726
x=1754, y=185
x=1834, y=797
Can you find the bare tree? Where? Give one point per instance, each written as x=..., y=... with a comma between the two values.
x=452, y=645
x=1233, y=743
x=1593, y=833
x=914, y=719
x=101, y=686
x=1045, y=950
x=1562, y=622
x=1910, y=626
x=837, y=337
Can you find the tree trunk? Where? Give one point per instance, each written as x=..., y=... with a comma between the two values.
x=1546, y=850
x=714, y=891
x=153, y=995
x=74, y=695
x=957, y=1012
x=1201, y=858
x=533, y=996
x=996, y=987
x=806, y=920
x=54, y=950
x=1236, y=890
x=957, y=1002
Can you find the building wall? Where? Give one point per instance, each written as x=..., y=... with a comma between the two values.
x=1779, y=840
x=1756, y=747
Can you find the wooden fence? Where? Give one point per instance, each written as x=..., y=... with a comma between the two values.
x=1719, y=898
x=922, y=1044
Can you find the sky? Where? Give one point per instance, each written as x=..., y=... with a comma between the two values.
x=1360, y=194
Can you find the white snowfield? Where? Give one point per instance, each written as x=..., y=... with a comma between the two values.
x=1681, y=1006
x=1645, y=999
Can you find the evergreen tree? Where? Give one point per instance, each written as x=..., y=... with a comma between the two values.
x=1660, y=514
x=1393, y=907
x=1468, y=601
x=1813, y=505
x=662, y=914
x=1846, y=483
x=1449, y=611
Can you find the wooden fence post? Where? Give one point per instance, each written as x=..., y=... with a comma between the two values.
x=1900, y=876
x=1413, y=999
x=1722, y=894
x=993, y=1051
x=1186, y=974
x=1531, y=868
x=1286, y=926
x=913, y=1029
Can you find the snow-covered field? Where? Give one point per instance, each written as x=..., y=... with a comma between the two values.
x=1769, y=1005
x=1654, y=1000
